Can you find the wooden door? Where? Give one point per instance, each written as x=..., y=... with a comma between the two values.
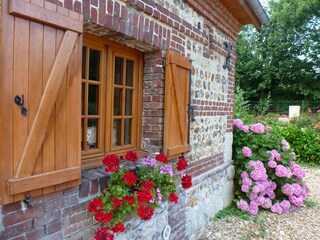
x=41, y=61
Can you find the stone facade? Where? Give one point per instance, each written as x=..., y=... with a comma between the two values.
x=194, y=28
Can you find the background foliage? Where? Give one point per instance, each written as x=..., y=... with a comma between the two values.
x=282, y=61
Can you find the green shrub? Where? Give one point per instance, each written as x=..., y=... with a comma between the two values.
x=241, y=105
x=305, y=142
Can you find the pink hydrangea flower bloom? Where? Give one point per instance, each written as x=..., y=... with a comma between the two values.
x=244, y=174
x=281, y=171
x=253, y=208
x=287, y=189
x=246, y=181
x=245, y=188
x=243, y=205
x=257, y=128
x=276, y=155
x=246, y=152
x=276, y=208
x=272, y=164
x=244, y=128
x=285, y=145
x=298, y=201
x=237, y=123
x=267, y=203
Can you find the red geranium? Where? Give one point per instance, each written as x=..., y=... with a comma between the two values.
x=129, y=199
x=130, y=178
x=119, y=227
x=131, y=156
x=103, y=217
x=162, y=158
x=112, y=162
x=186, y=181
x=95, y=205
x=173, y=197
x=144, y=196
x=145, y=213
x=148, y=185
x=182, y=164
x=103, y=234
x=116, y=203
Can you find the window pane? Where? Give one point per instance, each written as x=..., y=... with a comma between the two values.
x=118, y=70
x=128, y=102
x=93, y=100
x=92, y=134
x=117, y=102
x=129, y=73
x=116, y=141
x=83, y=90
x=127, y=131
x=94, y=64
x=84, y=55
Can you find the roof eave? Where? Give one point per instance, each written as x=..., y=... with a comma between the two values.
x=259, y=12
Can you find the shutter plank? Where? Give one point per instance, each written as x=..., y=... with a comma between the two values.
x=39, y=127
x=45, y=16
x=176, y=105
x=6, y=103
x=60, y=121
x=21, y=185
x=49, y=55
x=21, y=72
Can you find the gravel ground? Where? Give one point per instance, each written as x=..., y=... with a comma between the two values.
x=301, y=224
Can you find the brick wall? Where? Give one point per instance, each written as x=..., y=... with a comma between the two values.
x=194, y=28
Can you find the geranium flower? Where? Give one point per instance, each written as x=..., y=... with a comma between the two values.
x=103, y=234
x=116, y=203
x=186, y=181
x=166, y=169
x=119, y=227
x=112, y=162
x=148, y=185
x=103, y=217
x=173, y=197
x=144, y=196
x=162, y=158
x=129, y=199
x=145, y=212
x=131, y=156
x=181, y=164
x=95, y=205
x=130, y=178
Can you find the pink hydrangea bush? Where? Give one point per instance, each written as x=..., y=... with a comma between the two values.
x=266, y=175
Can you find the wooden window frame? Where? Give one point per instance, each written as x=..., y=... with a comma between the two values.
x=109, y=50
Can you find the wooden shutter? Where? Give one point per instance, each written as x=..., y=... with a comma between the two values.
x=176, y=104
x=41, y=59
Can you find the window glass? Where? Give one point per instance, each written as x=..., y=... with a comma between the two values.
x=118, y=69
x=92, y=133
x=127, y=131
x=129, y=73
x=128, y=102
x=93, y=99
x=94, y=65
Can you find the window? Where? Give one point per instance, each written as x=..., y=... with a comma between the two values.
x=111, y=100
